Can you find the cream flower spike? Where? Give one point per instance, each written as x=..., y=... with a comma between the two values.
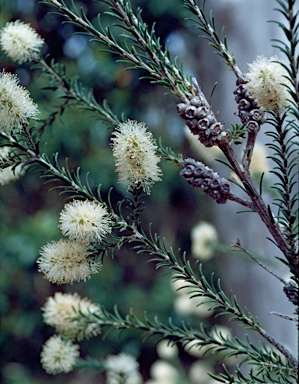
x=135, y=152
x=60, y=310
x=58, y=355
x=66, y=261
x=16, y=106
x=267, y=83
x=20, y=42
x=86, y=221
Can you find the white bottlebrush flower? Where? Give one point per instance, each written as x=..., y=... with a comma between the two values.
x=267, y=83
x=64, y=262
x=85, y=221
x=58, y=355
x=16, y=106
x=62, y=307
x=122, y=368
x=9, y=173
x=20, y=42
x=135, y=152
x=204, y=239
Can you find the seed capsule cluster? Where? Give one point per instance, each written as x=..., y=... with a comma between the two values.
x=201, y=121
x=250, y=113
x=202, y=177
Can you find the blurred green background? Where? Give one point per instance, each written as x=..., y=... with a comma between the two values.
x=29, y=212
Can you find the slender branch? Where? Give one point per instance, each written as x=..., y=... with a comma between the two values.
x=186, y=335
x=182, y=270
x=229, y=59
x=145, y=40
x=239, y=200
x=98, y=35
x=248, y=151
x=284, y=316
x=65, y=85
x=133, y=57
x=258, y=203
x=91, y=30
x=238, y=245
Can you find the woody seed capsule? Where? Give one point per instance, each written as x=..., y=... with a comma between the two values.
x=202, y=177
x=201, y=121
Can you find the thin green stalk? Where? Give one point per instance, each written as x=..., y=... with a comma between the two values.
x=216, y=42
x=156, y=71
x=75, y=94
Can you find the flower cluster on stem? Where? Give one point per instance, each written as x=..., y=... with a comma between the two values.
x=86, y=221
x=65, y=312
x=16, y=105
x=59, y=355
x=267, y=82
x=66, y=261
x=20, y=41
x=135, y=152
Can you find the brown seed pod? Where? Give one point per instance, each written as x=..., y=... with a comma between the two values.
x=202, y=177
